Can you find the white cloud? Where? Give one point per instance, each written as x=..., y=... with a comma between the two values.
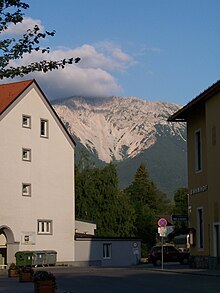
x=92, y=76
x=118, y=54
x=122, y=59
x=78, y=82
x=21, y=28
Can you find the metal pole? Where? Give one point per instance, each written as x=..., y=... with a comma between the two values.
x=162, y=254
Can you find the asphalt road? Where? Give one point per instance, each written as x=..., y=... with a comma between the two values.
x=121, y=280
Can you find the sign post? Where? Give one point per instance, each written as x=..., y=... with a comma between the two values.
x=162, y=224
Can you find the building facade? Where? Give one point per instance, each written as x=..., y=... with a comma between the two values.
x=37, y=197
x=37, y=175
x=203, y=143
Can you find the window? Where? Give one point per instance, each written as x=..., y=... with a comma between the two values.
x=107, y=250
x=26, y=189
x=200, y=228
x=26, y=154
x=26, y=121
x=43, y=128
x=44, y=227
x=198, y=151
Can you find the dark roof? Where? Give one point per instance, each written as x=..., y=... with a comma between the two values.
x=182, y=114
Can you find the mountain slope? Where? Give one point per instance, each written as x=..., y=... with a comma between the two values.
x=129, y=131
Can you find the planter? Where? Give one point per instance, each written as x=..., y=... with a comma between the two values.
x=47, y=286
x=25, y=277
x=13, y=273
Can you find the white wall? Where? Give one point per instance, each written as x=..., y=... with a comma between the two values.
x=50, y=172
x=85, y=227
x=123, y=252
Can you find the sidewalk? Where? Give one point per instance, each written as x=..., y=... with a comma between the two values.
x=181, y=269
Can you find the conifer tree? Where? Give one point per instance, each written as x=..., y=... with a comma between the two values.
x=180, y=208
x=148, y=202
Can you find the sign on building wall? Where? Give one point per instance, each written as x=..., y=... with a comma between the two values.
x=28, y=238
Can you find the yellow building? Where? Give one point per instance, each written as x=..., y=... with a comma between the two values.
x=202, y=115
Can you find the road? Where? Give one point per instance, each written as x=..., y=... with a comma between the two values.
x=120, y=280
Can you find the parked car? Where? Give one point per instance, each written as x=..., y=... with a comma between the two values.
x=170, y=254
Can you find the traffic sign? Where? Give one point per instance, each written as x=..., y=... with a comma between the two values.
x=162, y=222
x=134, y=245
x=179, y=218
x=162, y=231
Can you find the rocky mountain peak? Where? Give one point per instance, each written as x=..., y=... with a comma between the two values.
x=117, y=127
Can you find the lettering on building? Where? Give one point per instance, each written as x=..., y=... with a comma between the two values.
x=198, y=189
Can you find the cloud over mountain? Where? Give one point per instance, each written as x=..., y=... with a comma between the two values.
x=94, y=75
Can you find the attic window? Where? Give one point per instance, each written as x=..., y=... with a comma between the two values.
x=44, y=128
x=26, y=121
x=26, y=154
x=26, y=189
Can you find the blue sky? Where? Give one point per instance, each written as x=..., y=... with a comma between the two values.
x=151, y=49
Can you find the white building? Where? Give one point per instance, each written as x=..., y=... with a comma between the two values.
x=36, y=175
x=37, y=199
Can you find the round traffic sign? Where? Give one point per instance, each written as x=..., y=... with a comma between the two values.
x=162, y=222
x=134, y=244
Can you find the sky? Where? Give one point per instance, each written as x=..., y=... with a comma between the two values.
x=165, y=50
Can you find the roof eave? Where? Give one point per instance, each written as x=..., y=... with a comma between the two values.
x=181, y=115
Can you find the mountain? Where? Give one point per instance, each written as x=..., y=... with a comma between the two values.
x=129, y=131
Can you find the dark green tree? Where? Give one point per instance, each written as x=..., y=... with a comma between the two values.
x=98, y=198
x=180, y=208
x=11, y=12
x=142, y=189
x=125, y=216
x=181, y=201
x=148, y=202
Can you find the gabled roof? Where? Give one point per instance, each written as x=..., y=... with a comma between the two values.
x=11, y=91
x=182, y=114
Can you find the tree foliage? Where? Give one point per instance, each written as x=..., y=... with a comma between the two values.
x=180, y=208
x=123, y=213
x=181, y=201
x=148, y=201
x=11, y=12
x=98, y=198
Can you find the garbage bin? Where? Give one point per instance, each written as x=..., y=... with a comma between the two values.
x=51, y=257
x=39, y=258
x=24, y=258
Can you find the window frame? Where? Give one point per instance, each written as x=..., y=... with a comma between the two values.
x=26, y=185
x=28, y=117
x=45, y=223
x=45, y=129
x=200, y=228
x=28, y=159
x=198, y=150
x=107, y=250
